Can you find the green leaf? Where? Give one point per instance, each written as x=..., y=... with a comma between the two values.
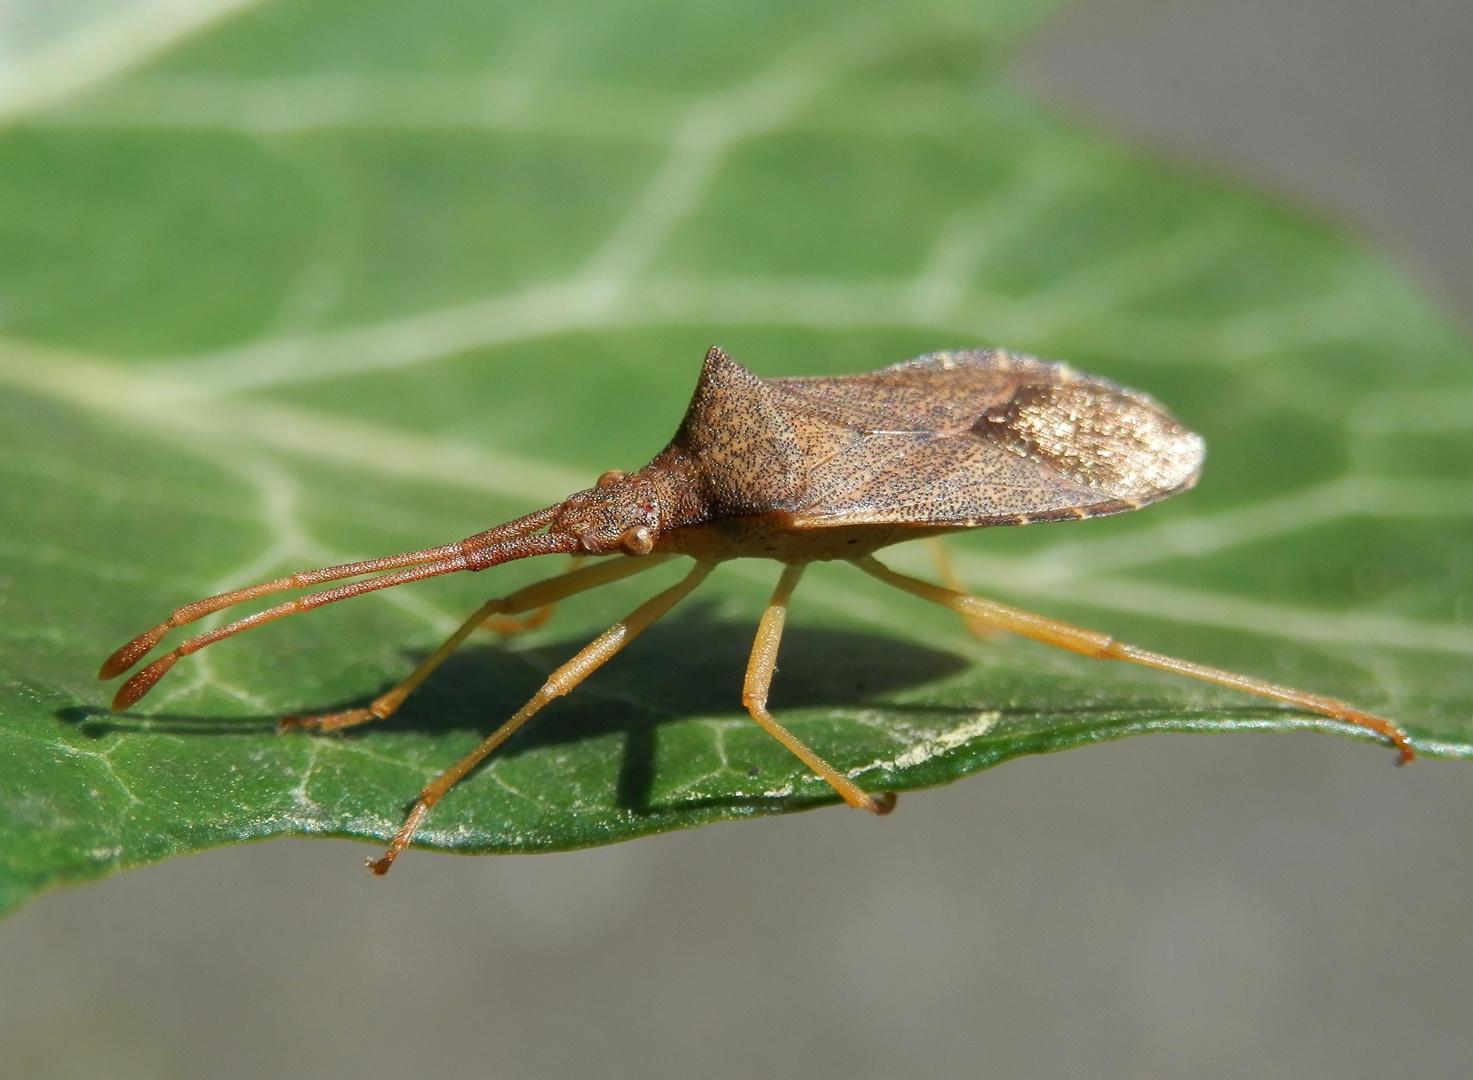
x=332, y=280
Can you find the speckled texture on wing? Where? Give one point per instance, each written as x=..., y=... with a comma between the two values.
x=979, y=438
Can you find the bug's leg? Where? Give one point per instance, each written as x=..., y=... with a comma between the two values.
x=976, y=627
x=1103, y=647
x=761, y=665
x=386, y=704
x=588, y=660
x=507, y=625
x=538, y=598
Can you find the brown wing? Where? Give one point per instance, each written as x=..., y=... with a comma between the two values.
x=979, y=438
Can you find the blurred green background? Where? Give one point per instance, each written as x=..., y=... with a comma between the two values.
x=287, y=283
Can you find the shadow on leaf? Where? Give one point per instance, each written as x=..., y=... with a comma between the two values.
x=95, y=721
x=692, y=664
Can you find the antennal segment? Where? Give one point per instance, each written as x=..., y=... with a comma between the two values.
x=143, y=644
x=475, y=559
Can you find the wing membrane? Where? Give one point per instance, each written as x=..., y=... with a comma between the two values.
x=980, y=438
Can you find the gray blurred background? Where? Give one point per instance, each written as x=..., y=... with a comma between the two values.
x=1254, y=905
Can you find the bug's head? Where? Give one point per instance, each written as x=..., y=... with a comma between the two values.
x=620, y=513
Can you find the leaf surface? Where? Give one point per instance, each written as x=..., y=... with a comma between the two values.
x=321, y=281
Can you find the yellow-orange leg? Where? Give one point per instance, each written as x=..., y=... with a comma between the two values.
x=761, y=665
x=976, y=627
x=588, y=660
x=540, y=596
x=508, y=625
x=1103, y=647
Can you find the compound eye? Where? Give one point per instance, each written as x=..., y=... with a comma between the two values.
x=613, y=476
x=637, y=541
